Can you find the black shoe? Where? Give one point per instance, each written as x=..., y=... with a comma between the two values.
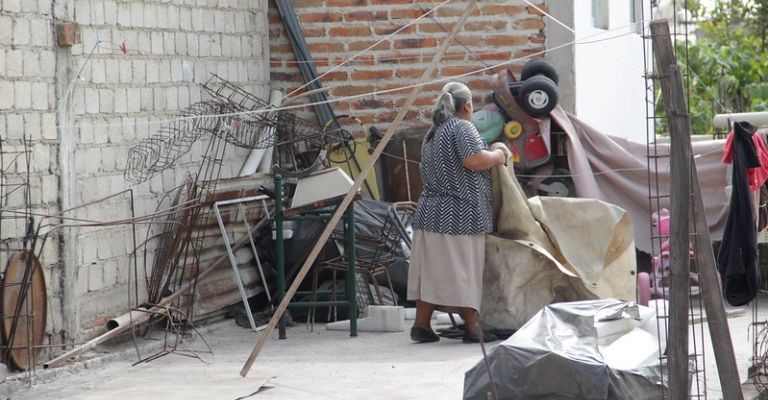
x=421, y=335
x=471, y=337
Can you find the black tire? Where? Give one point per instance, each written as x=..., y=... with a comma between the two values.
x=559, y=185
x=539, y=66
x=538, y=96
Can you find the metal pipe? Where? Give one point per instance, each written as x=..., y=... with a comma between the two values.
x=724, y=121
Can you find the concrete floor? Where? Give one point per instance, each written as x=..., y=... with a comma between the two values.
x=311, y=365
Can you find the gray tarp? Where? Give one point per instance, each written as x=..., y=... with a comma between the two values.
x=556, y=355
x=615, y=170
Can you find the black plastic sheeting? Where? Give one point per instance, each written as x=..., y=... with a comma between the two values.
x=555, y=355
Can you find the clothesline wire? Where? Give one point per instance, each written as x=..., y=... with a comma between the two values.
x=346, y=98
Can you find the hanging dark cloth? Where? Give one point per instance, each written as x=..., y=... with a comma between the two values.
x=737, y=259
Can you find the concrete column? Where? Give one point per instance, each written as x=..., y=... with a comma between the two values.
x=67, y=178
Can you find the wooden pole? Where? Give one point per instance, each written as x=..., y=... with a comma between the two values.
x=687, y=193
x=355, y=187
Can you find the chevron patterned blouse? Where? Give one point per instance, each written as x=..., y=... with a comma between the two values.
x=455, y=200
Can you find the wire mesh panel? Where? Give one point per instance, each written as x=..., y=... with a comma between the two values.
x=657, y=272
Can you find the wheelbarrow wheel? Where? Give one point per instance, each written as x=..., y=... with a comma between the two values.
x=559, y=184
x=538, y=96
x=539, y=66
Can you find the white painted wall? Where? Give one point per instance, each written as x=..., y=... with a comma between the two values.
x=609, y=82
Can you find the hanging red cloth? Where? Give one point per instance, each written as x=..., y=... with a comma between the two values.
x=756, y=176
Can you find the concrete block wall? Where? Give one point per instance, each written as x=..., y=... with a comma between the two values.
x=109, y=99
x=28, y=135
x=499, y=31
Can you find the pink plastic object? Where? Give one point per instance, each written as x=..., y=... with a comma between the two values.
x=643, y=288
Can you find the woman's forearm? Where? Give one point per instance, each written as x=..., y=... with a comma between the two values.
x=484, y=160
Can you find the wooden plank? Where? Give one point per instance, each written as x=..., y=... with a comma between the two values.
x=680, y=190
x=686, y=193
x=352, y=192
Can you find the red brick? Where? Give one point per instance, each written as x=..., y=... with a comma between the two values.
x=409, y=73
x=499, y=9
x=343, y=3
x=405, y=14
x=314, y=32
x=321, y=17
x=415, y=43
x=371, y=103
x=343, y=91
x=455, y=12
x=399, y=58
x=485, y=26
x=390, y=2
x=388, y=30
x=371, y=74
x=362, y=45
x=453, y=71
x=534, y=11
x=506, y=40
x=366, y=16
x=530, y=23
x=326, y=47
x=349, y=31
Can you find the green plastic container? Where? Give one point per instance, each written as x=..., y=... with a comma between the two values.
x=489, y=123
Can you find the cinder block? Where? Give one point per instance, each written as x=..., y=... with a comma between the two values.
x=6, y=29
x=150, y=16
x=78, y=101
x=197, y=19
x=110, y=272
x=83, y=12
x=156, y=39
x=124, y=14
x=181, y=43
x=164, y=68
x=187, y=70
x=23, y=95
x=2, y=62
x=31, y=63
x=169, y=43
x=95, y=276
x=205, y=46
x=126, y=71
x=93, y=157
x=29, y=6
x=32, y=124
x=137, y=14
x=106, y=100
x=47, y=63
x=49, y=126
x=98, y=71
x=134, y=99
x=21, y=34
x=147, y=99
x=173, y=17
x=41, y=158
x=183, y=97
x=7, y=95
x=12, y=5
x=209, y=24
x=162, y=16
x=193, y=47
x=40, y=96
x=41, y=32
x=153, y=71
x=120, y=101
x=185, y=19
x=172, y=98
x=112, y=70
x=110, y=12
x=91, y=101
x=220, y=21
x=159, y=101
x=139, y=71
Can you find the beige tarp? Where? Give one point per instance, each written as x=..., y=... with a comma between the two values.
x=552, y=249
x=616, y=170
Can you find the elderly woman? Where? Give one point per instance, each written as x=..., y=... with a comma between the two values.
x=452, y=217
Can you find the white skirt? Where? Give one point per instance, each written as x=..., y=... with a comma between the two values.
x=447, y=270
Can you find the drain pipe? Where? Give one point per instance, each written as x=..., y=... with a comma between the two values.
x=724, y=121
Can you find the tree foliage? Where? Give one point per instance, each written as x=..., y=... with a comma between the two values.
x=726, y=60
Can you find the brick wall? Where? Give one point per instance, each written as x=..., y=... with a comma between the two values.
x=108, y=102
x=336, y=30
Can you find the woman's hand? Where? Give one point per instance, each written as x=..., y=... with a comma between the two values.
x=501, y=147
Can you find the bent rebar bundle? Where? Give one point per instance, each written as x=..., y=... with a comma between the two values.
x=233, y=115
